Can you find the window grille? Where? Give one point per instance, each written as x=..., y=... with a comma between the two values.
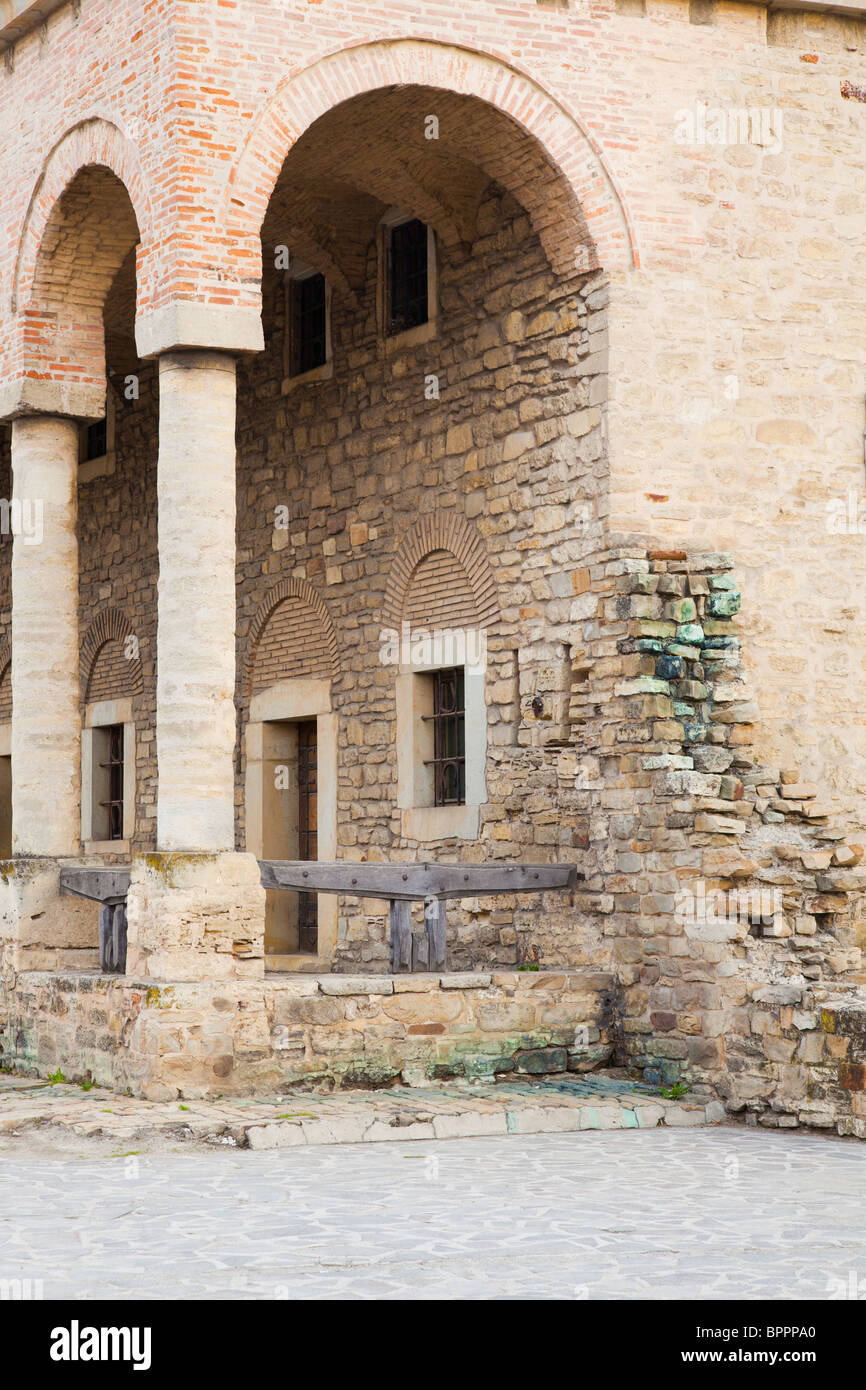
x=408, y=264
x=114, y=767
x=96, y=440
x=308, y=830
x=309, y=327
x=449, y=738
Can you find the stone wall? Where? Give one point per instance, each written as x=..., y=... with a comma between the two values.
x=802, y=1061
x=118, y=567
x=196, y=1039
x=714, y=876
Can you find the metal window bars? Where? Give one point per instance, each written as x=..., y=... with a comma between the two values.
x=114, y=767
x=408, y=275
x=449, y=738
x=309, y=327
x=308, y=831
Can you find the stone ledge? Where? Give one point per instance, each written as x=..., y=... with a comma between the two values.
x=451, y=1111
x=19, y=17
x=430, y=982
x=351, y=984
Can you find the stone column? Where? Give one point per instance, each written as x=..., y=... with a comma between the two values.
x=39, y=930
x=195, y=718
x=46, y=722
x=196, y=908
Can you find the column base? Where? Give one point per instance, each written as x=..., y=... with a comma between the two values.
x=39, y=929
x=196, y=917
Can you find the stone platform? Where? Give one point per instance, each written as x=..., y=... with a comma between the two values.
x=455, y=1110
x=200, y=1039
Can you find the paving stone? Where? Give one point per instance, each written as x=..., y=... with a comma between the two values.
x=440, y=1220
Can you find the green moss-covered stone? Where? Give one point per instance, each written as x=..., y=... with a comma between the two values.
x=682, y=610
x=724, y=605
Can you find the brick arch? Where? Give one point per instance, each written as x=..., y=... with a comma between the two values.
x=442, y=533
x=111, y=625
x=306, y=598
x=5, y=681
x=93, y=141
x=90, y=197
x=584, y=210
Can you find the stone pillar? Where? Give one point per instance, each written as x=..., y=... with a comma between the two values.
x=195, y=715
x=39, y=930
x=46, y=721
x=196, y=908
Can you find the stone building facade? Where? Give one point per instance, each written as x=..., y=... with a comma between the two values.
x=617, y=452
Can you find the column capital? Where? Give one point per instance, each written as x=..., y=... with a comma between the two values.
x=71, y=400
x=205, y=327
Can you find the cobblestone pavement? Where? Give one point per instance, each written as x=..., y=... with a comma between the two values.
x=706, y=1213
x=456, y=1109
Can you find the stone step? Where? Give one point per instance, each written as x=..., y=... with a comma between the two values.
x=447, y=1111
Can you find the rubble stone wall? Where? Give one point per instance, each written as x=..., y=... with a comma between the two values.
x=802, y=1061
x=717, y=880
x=206, y=1038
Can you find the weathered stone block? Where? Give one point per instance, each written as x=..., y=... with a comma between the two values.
x=541, y=1060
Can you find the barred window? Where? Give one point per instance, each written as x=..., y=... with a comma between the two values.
x=95, y=440
x=449, y=738
x=309, y=324
x=407, y=254
x=108, y=782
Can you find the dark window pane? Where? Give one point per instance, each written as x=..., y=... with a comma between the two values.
x=308, y=831
x=408, y=256
x=309, y=342
x=96, y=444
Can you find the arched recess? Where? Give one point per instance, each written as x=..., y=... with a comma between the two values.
x=88, y=210
x=110, y=665
x=292, y=635
x=571, y=194
x=441, y=549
